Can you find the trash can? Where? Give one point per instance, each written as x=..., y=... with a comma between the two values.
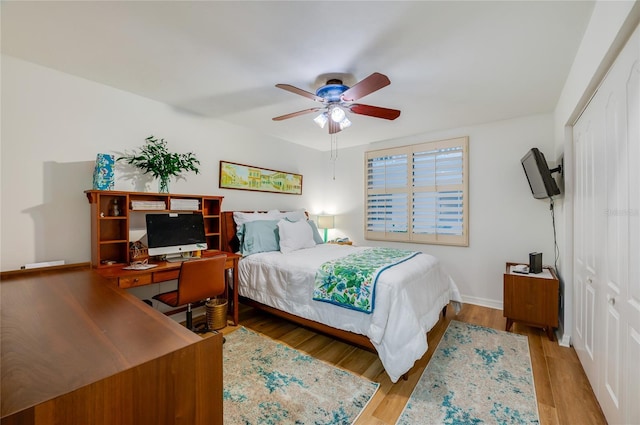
x=216, y=313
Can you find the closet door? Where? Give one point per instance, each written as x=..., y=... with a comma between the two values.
x=615, y=272
x=621, y=307
x=628, y=301
x=588, y=222
x=606, y=333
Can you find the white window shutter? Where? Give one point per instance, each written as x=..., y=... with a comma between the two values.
x=418, y=193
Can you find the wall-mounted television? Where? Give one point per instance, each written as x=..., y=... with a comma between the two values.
x=539, y=175
x=174, y=234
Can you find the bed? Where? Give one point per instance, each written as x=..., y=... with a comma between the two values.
x=408, y=296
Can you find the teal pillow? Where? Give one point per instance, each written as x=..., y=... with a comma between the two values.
x=316, y=234
x=260, y=236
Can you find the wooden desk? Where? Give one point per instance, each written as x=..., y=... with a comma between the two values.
x=169, y=271
x=77, y=350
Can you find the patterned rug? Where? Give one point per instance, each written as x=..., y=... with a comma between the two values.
x=266, y=382
x=477, y=375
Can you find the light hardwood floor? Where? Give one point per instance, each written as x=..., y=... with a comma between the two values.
x=562, y=389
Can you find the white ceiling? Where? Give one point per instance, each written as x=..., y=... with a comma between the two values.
x=451, y=63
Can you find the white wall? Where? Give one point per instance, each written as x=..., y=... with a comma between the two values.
x=54, y=124
x=506, y=223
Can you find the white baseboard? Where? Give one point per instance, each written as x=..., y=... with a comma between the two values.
x=564, y=340
x=483, y=302
x=43, y=264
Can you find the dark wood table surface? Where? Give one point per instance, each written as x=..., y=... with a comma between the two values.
x=64, y=330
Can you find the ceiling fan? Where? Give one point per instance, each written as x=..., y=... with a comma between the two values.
x=337, y=99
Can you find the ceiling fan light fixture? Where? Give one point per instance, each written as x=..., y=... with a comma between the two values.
x=321, y=120
x=337, y=114
x=345, y=123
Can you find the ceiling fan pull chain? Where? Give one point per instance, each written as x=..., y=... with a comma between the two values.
x=334, y=152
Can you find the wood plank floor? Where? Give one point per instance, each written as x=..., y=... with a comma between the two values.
x=562, y=389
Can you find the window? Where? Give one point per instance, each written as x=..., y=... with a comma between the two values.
x=419, y=193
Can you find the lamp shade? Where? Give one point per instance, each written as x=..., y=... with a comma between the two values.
x=326, y=222
x=337, y=114
x=321, y=120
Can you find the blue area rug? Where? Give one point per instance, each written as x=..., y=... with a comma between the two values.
x=477, y=375
x=266, y=382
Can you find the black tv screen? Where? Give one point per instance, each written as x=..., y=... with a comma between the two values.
x=538, y=174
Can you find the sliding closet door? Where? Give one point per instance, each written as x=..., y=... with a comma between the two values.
x=588, y=222
x=629, y=298
x=607, y=238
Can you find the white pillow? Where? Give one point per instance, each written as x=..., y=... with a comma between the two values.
x=244, y=217
x=295, y=235
x=296, y=215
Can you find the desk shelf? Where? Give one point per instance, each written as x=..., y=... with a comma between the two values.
x=111, y=212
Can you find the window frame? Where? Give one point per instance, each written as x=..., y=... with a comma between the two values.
x=410, y=189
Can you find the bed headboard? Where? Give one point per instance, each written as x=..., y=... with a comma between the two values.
x=230, y=242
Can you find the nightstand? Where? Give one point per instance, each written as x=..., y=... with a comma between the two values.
x=531, y=299
x=341, y=243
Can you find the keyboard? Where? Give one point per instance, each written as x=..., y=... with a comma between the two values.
x=140, y=267
x=176, y=260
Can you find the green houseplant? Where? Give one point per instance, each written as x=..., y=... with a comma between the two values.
x=154, y=158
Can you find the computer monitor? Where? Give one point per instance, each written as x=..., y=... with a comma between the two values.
x=175, y=234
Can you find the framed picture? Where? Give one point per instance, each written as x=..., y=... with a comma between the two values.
x=247, y=177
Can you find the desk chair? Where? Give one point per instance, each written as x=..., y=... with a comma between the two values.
x=198, y=280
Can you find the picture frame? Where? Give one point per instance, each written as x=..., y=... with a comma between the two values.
x=258, y=179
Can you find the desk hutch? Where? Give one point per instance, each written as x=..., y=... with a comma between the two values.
x=112, y=216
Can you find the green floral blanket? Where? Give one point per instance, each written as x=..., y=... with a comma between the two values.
x=350, y=281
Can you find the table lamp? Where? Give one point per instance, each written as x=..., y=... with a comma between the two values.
x=326, y=222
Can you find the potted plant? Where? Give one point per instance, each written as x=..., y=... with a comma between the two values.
x=154, y=158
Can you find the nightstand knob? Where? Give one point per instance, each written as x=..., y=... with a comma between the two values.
x=611, y=300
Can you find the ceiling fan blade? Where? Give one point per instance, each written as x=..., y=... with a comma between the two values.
x=373, y=82
x=334, y=127
x=295, y=114
x=375, y=111
x=292, y=89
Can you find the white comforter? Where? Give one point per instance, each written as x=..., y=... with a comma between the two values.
x=408, y=301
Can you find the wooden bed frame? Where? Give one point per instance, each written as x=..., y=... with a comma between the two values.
x=230, y=243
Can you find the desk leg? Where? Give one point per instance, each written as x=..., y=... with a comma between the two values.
x=235, y=307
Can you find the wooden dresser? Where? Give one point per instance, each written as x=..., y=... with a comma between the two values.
x=76, y=350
